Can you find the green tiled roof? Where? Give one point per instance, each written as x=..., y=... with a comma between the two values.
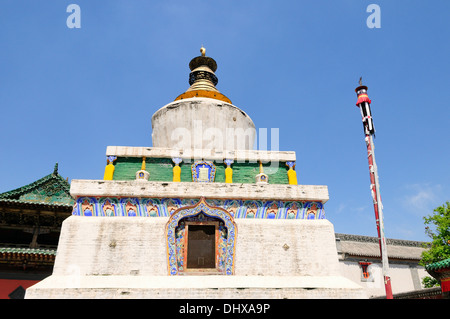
x=15, y=201
x=36, y=251
x=49, y=190
x=439, y=265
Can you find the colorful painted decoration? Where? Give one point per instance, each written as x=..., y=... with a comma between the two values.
x=170, y=205
x=151, y=207
x=130, y=207
x=165, y=207
x=294, y=210
x=109, y=207
x=86, y=206
x=203, y=171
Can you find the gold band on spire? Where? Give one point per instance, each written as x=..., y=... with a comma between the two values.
x=204, y=93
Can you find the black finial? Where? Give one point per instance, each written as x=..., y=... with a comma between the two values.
x=55, y=170
x=360, y=81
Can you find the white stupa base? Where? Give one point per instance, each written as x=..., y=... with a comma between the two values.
x=126, y=257
x=196, y=287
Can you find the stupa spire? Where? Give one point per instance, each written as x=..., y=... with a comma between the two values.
x=202, y=79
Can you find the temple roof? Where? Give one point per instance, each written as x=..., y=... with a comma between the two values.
x=51, y=190
x=367, y=246
x=34, y=251
x=440, y=270
x=439, y=265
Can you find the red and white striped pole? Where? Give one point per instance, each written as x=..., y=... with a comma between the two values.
x=369, y=131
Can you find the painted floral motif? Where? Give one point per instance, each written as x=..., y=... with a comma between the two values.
x=233, y=207
x=180, y=245
x=222, y=246
x=293, y=210
x=314, y=210
x=165, y=207
x=87, y=208
x=272, y=210
x=170, y=205
x=151, y=207
x=252, y=209
x=130, y=207
x=109, y=207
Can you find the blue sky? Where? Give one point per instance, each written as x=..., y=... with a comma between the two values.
x=66, y=94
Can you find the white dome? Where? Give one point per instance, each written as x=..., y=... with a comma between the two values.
x=202, y=123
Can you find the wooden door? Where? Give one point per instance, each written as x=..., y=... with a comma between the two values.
x=201, y=248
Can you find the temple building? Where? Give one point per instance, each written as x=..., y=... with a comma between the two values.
x=30, y=222
x=440, y=271
x=200, y=214
x=360, y=261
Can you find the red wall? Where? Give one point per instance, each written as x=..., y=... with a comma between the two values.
x=7, y=286
x=445, y=284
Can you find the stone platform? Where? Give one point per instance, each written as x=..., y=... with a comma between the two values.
x=126, y=257
x=196, y=287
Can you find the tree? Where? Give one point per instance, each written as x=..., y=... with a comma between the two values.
x=438, y=229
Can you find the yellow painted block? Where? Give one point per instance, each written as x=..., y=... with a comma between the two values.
x=228, y=175
x=177, y=173
x=109, y=172
x=292, y=176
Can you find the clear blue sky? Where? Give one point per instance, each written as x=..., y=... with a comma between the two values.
x=66, y=94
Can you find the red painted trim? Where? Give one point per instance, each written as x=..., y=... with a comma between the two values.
x=362, y=99
x=7, y=286
x=445, y=284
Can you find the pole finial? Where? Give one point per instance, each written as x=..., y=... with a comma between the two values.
x=360, y=80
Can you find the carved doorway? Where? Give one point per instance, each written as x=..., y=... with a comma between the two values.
x=201, y=240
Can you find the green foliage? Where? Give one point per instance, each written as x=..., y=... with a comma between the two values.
x=429, y=282
x=438, y=229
